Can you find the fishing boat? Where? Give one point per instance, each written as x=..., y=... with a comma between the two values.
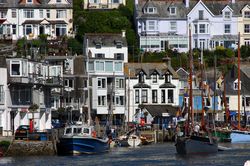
x=239, y=135
x=134, y=140
x=81, y=139
x=191, y=142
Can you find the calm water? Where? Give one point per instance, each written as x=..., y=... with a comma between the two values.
x=150, y=155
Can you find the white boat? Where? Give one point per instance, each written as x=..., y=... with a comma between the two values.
x=134, y=140
x=238, y=136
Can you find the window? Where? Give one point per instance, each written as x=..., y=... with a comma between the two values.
x=116, y=1
x=247, y=28
x=119, y=56
x=247, y=42
x=170, y=96
x=61, y=14
x=69, y=83
x=28, y=29
x=154, y=78
x=163, y=96
x=91, y=66
x=15, y=68
x=207, y=101
x=236, y=85
x=247, y=14
x=21, y=95
x=195, y=29
x=60, y=30
x=29, y=1
x=154, y=96
x=201, y=14
x=68, y=131
x=14, y=29
x=144, y=97
x=119, y=100
x=151, y=10
x=119, y=45
x=118, y=66
x=167, y=77
x=119, y=83
x=227, y=15
x=1, y=94
x=245, y=101
x=151, y=25
x=13, y=13
x=41, y=13
x=141, y=77
x=48, y=13
x=109, y=66
x=2, y=14
x=101, y=83
x=28, y=13
x=98, y=46
x=172, y=10
x=101, y=100
x=99, y=55
x=227, y=28
x=173, y=26
x=137, y=94
x=202, y=28
x=99, y=66
x=58, y=1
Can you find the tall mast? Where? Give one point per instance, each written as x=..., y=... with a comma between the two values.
x=239, y=80
x=190, y=80
x=89, y=115
x=202, y=95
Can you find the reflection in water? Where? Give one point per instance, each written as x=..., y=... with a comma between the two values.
x=155, y=154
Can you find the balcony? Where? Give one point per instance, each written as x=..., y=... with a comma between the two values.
x=54, y=81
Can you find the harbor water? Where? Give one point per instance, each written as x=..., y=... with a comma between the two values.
x=149, y=155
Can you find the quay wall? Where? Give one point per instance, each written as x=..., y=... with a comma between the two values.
x=31, y=148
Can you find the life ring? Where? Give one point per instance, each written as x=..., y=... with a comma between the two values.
x=93, y=133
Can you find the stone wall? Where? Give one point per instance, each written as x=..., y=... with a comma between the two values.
x=31, y=148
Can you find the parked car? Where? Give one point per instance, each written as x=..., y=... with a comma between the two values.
x=22, y=132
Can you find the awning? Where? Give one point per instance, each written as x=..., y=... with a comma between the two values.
x=167, y=85
x=141, y=85
x=159, y=110
x=225, y=37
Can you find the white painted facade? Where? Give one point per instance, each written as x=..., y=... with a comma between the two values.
x=53, y=19
x=103, y=4
x=209, y=30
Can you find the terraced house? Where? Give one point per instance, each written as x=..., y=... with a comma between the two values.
x=31, y=18
x=166, y=24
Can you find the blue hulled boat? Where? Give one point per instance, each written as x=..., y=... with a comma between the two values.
x=239, y=136
x=81, y=139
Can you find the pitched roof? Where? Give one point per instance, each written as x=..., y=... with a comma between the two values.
x=131, y=69
x=158, y=110
x=106, y=39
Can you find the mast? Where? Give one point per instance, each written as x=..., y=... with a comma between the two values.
x=190, y=110
x=89, y=115
x=202, y=95
x=225, y=99
x=239, y=80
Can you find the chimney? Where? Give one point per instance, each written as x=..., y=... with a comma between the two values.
x=187, y=3
x=233, y=1
x=123, y=33
x=167, y=60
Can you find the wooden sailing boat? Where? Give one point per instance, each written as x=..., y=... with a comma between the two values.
x=190, y=143
x=239, y=135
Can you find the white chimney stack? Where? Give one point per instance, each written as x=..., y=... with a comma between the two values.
x=233, y=1
x=123, y=33
x=187, y=3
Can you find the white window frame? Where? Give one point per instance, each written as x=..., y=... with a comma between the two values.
x=41, y=13
x=28, y=13
x=227, y=28
x=151, y=25
x=119, y=83
x=2, y=96
x=246, y=14
x=61, y=13
x=15, y=62
x=13, y=13
x=236, y=85
x=119, y=100
x=154, y=78
x=227, y=15
x=151, y=10
x=172, y=10
x=173, y=25
x=201, y=29
x=246, y=28
x=101, y=83
x=102, y=100
x=154, y=96
x=29, y=1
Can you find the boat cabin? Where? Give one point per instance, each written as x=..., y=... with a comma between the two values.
x=78, y=130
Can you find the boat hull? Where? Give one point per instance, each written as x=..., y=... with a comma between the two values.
x=82, y=146
x=223, y=136
x=240, y=136
x=195, y=145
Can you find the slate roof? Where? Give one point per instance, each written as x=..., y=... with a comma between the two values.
x=232, y=75
x=157, y=110
x=161, y=68
x=162, y=6
x=106, y=39
x=3, y=62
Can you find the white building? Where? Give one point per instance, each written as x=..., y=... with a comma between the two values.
x=31, y=18
x=150, y=84
x=29, y=83
x=214, y=24
x=107, y=54
x=103, y=4
x=161, y=25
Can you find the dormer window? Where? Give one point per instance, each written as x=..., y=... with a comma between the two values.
x=119, y=56
x=141, y=77
x=151, y=10
x=201, y=15
x=98, y=46
x=236, y=85
x=119, y=44
x=167, y=77
x=227, y=15
x=29, y=1
x=58, y=1
x=172, y=10
x=247, y=14
x=99, y=55
x=15, y=68
x=154, y=78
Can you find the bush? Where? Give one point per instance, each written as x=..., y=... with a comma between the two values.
x=4, y=145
